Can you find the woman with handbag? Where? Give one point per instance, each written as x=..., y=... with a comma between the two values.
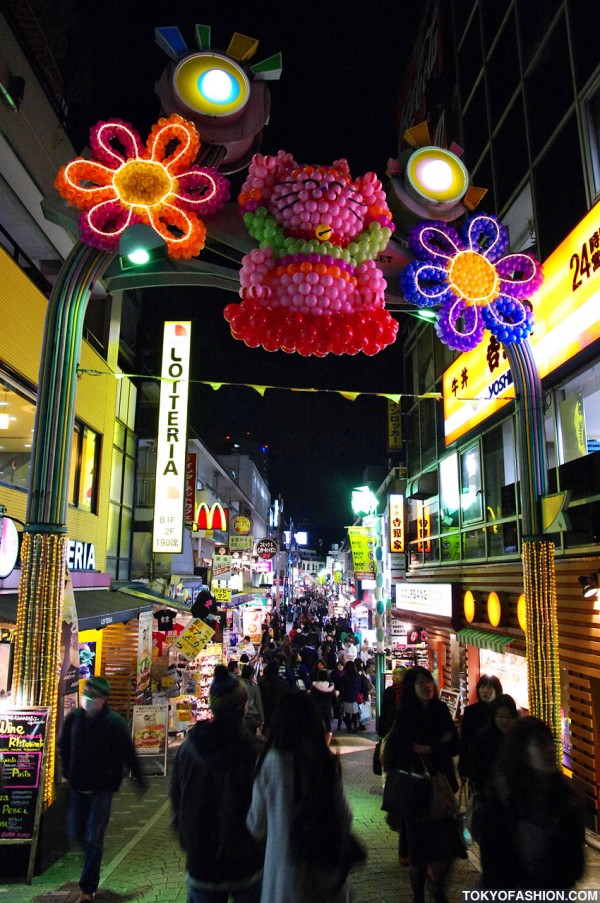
x=422, y=742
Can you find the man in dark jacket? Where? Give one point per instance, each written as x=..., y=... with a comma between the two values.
x=94, y=747
x=211, y=792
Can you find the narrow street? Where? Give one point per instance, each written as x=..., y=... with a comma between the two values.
x=143, y=863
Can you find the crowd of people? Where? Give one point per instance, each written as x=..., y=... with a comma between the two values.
x=317, y=655
x=257, y=794
x=523, y=812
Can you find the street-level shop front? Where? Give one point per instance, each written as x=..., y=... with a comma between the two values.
x=475, y=626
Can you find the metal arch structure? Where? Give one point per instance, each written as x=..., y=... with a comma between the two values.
x=43, y=554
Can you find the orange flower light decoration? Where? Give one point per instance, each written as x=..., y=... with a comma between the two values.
x=127, y=182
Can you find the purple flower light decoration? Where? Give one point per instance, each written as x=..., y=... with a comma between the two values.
x=475, y=285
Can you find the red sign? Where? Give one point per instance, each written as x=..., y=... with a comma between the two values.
x=213, y=518
x=190, y=487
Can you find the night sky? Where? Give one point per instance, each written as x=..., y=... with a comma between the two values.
x=336, y=98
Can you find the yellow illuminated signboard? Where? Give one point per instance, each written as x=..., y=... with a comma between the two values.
x=567, y=320
x=172, y=439
x=362, y=545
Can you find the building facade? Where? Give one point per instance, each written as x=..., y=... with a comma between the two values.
x=539, y=162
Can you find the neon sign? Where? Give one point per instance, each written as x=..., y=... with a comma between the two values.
x=126, y=183
x=172, y=438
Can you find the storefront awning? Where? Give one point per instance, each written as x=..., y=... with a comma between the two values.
x=483, y=639
x=96, y=608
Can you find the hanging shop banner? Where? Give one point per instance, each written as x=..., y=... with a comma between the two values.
x=362, y=545
x=241, y=525
x=394, y=426
x=143, y=688
x=149, y=730
x=221, y=568
x=222, y=594
x=194, y=638
x=23, y=745
x=266, y=548
x=240, y=543
x=396, y=522
x=172, y=437
x=190, y=486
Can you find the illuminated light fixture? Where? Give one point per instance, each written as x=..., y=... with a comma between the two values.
x=436, y=176
x=211, y=84
x=364, y=501
x=496, y=609
x=476, y=286
x=140, y=245
x=589, y=586
x=522, y=612
x=127, y=183
x=471, y=606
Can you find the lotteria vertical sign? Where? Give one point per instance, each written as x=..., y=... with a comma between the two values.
x=172, y=438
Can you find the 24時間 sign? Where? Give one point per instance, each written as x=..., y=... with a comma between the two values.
x=172, y=438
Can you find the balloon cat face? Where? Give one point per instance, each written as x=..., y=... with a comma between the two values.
x=313, y=286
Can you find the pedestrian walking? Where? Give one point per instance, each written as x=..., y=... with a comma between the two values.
x=532, y=821
x=211, y=790
x=300, y=810
x=254, y=718
x=94, y=746
x=423, y=741
x=475, y=718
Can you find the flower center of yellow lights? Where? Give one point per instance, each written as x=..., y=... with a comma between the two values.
x=142, y=183
x=473, y=278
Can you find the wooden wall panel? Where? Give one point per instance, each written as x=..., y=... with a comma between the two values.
x=119, y=664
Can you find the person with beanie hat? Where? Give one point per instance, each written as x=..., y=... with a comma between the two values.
x=211, y=791
x=94, y=746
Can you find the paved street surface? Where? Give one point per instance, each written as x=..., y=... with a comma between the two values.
x=143, y=863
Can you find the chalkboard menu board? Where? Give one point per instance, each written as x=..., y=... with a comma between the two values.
x=22, y=748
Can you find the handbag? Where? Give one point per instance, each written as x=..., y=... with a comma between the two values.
x=406, y=793
x=377, y=769
x=442, y=802
x=364, y=711
x=360, y=698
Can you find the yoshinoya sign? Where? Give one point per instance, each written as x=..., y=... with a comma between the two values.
x=266, y=548
x=426, y=598
x=172, y=437
x=241, y=525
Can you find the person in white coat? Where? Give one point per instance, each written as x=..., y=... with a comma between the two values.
x=300, y=809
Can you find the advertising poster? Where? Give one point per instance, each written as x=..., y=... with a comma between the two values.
x=194, y=638
x=150, y=731
x=451, y=698
x=23, y=734
x=251, y=623
x=143, y=689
